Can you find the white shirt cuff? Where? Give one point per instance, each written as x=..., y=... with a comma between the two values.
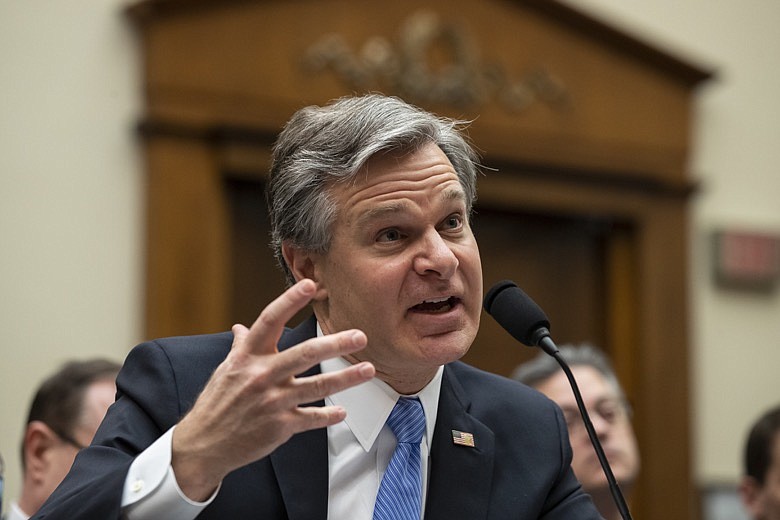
x=151, y=490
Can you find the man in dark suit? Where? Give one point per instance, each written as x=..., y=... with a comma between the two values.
x=64, y=414
x=370, y=202
x=610, y=415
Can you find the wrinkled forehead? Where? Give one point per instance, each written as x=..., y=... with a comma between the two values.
x=387, y=159
x=413, y=165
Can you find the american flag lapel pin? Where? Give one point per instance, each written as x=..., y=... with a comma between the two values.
x=463, y=438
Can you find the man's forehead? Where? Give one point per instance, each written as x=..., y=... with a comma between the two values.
x=592, y=384
x=386, y=209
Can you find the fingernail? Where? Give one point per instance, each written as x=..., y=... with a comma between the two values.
x=366, y=370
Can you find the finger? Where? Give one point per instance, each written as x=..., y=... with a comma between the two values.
x=239, y=333
x=267, y=328
x=314, y=388
x=314, y=417
x=303, y=356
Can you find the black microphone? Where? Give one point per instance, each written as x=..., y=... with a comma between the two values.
x=521, y=317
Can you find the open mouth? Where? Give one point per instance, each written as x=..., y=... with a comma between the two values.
x=436, y=305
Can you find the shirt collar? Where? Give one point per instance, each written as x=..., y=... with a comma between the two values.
x=369, y=404
x=16, y=513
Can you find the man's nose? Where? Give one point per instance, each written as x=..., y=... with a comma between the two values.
x=435, y=256
x=601, y=425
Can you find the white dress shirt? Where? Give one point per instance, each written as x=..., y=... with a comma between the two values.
x=359, y=450
x=15, y=513
x=151, y=490
x=361, y=446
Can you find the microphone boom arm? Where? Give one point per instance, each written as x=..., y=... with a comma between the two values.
x=525, y=321
x=546, y=343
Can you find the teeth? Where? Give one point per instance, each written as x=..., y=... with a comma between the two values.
x=437, y=300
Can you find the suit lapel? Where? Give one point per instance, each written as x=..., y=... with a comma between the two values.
x=460, y=476
x=301, y=464
x=301, y=467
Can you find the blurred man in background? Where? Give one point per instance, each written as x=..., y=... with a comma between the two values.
x=760, y=486
x=64, y=415
x=609, y=412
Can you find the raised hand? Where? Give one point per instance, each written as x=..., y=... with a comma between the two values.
x=250, y=405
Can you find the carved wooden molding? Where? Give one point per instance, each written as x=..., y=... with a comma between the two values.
x=404, y=67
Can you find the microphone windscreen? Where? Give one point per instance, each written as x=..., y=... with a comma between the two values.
x=515, y=311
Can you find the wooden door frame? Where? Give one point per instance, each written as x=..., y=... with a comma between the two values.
x=189, y=271
x=199, y=130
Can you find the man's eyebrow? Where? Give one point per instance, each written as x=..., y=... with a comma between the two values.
x=381, y=211
x=454, y=194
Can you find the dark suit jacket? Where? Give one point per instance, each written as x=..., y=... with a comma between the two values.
x=519, y=468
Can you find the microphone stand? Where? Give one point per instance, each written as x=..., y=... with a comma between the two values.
x=506, y=302
x=546, y=343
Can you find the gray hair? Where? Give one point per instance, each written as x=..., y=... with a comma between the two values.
x=535, y=372
x=322, y=146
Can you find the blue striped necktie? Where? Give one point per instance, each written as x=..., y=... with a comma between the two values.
x=400, y=493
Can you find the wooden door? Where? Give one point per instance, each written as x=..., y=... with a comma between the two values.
x=588, y=127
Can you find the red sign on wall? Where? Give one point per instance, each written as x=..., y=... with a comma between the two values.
x=746, y=259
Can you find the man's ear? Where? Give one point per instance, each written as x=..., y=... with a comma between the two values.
x=305, y=264
x=750, y=492
x=38, y=440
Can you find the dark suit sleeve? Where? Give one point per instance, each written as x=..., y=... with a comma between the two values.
x=147, y=405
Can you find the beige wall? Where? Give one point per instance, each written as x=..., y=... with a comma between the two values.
x=70, y=185
x=735, y=336
x=70, y=199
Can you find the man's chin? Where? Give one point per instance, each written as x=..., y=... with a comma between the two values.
x=445, y=348
x=598, y=483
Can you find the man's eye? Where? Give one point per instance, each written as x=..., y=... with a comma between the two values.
x=389, y=235
x=572, y=418
x=453, y=222
x=609, y=411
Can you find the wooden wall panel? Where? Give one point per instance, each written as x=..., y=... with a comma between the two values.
x=244, y=61
x=586, y=206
